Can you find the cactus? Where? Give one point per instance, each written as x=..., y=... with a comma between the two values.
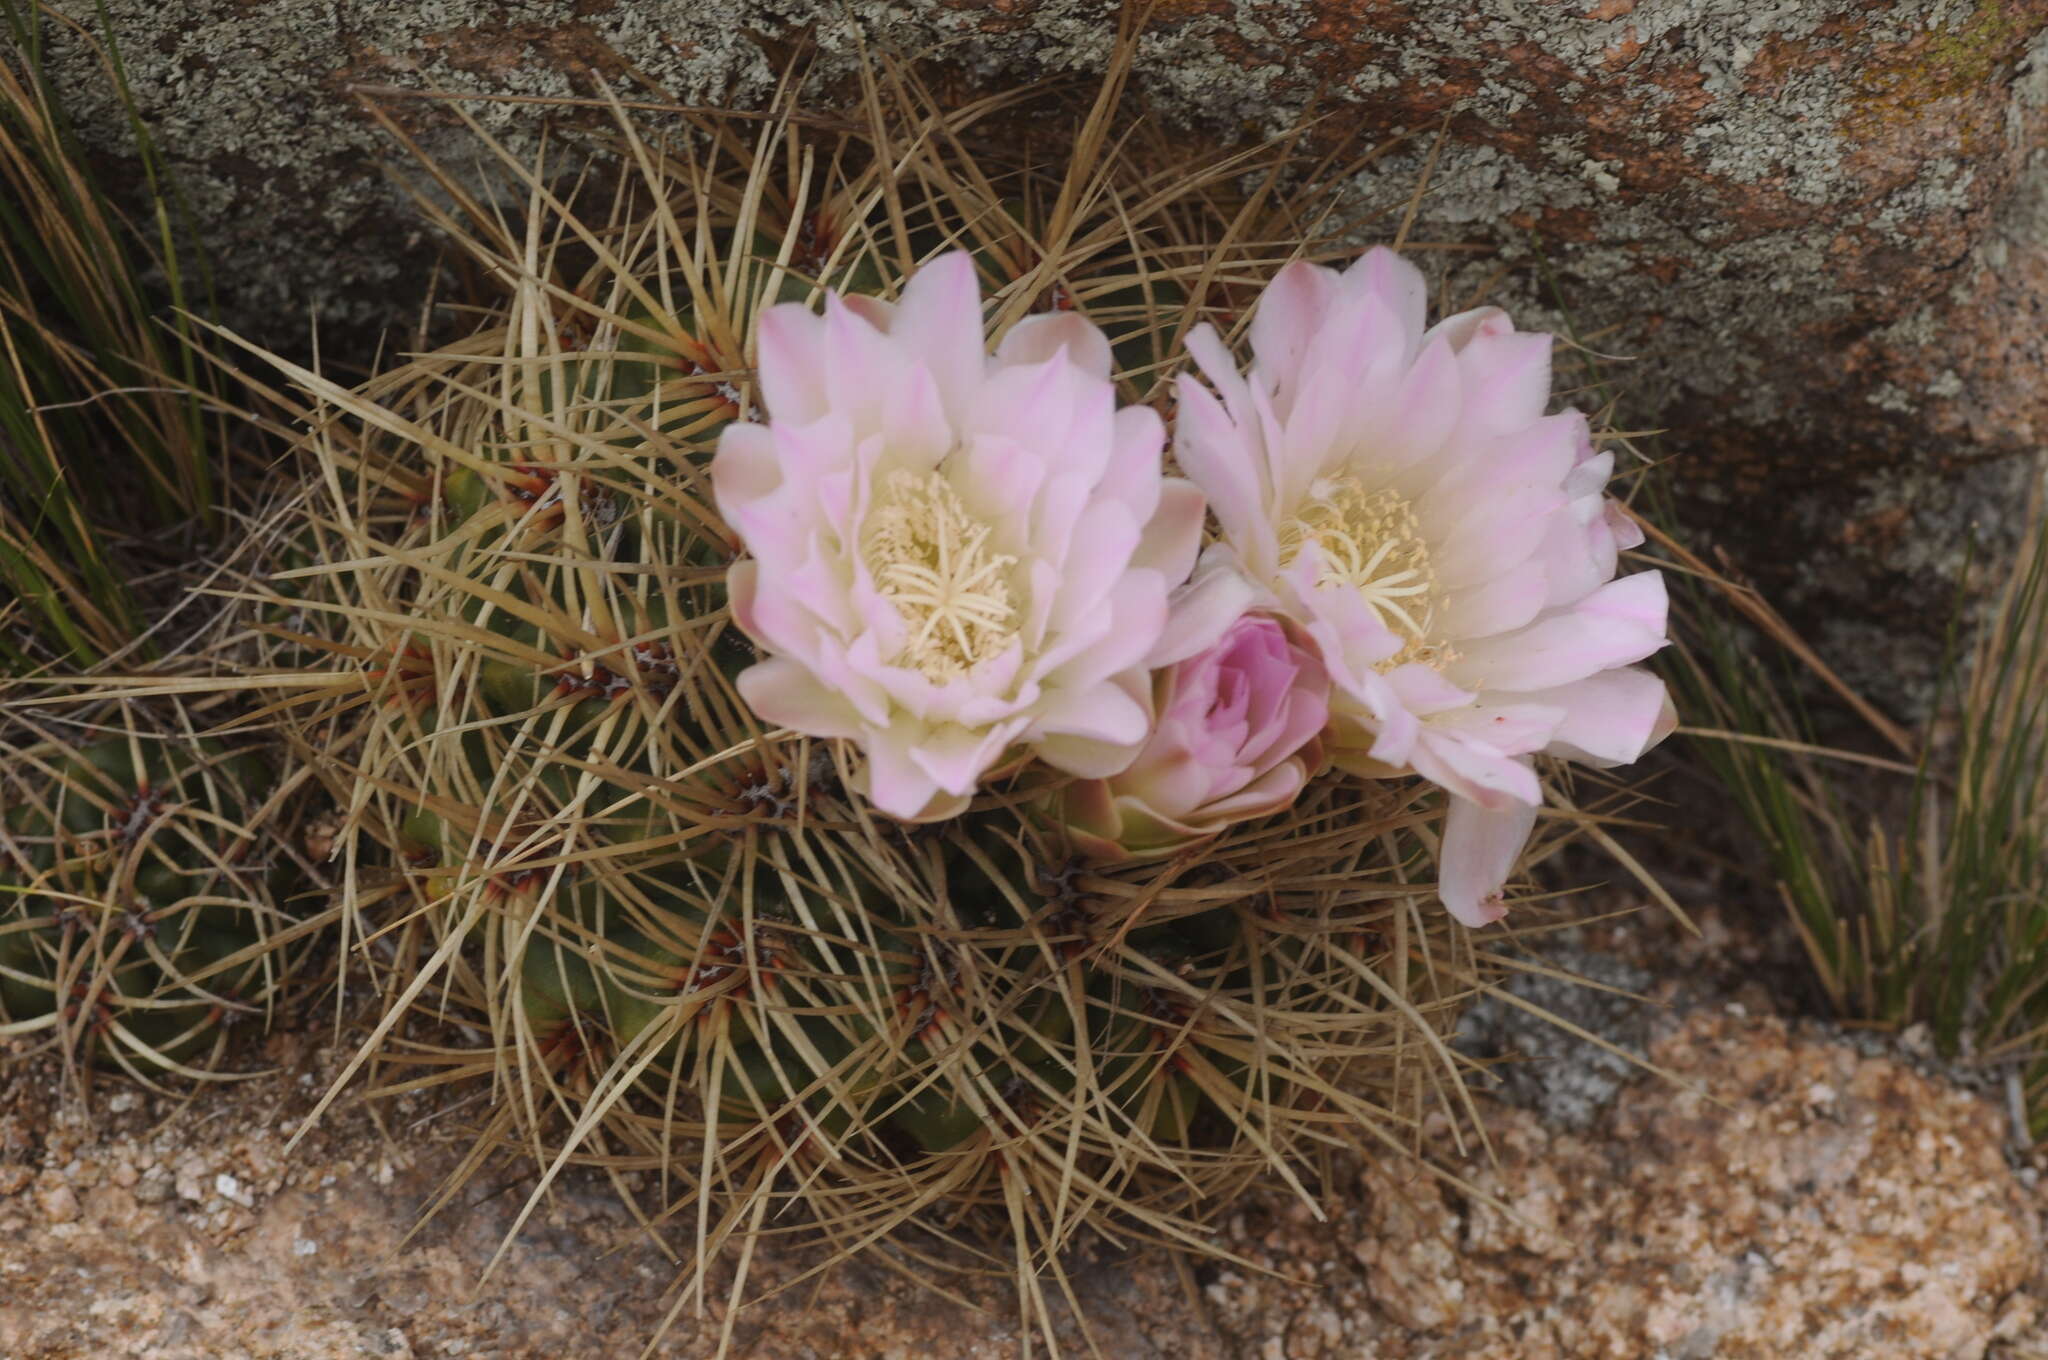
x=139, y=917
x=689, y=948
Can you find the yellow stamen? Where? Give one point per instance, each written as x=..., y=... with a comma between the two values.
x=930, y=558
x=1371, y=541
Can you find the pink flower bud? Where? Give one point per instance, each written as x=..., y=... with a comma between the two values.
x=1237, y=735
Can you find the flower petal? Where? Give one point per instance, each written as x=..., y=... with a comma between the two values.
x=1173, y=536
x=789, y=340
x=1122, y=711
x=894, y=782
x=1382, y=274
x=1048, y=335
x=957, y=757
x=1200, y=611
x=789, y=695
x=939, y=321
x=1617, y=625
x=1608, y=719
x=1229, y=467
x=1472, y=769
x=1480, y=847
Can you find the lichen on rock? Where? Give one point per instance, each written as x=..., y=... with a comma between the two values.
x=1815, y=228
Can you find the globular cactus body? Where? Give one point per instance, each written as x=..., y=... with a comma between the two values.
x=687, y=934
x=138, y=904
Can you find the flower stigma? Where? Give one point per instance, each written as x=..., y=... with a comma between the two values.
x=930, y=558
x=1371, y=541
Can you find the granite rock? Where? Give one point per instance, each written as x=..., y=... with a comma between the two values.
x=1817, y=226
x=1777, y=1193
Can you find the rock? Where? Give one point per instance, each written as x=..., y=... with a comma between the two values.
x=1821, y=228
x=318, y=1264
x=1818, y=228
x=1793, y=1198
x=1569, y=1079
x=58, y=1203
x=1788, y=1197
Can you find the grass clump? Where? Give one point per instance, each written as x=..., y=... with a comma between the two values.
x=1918, y=883
x=110, y=430
x=148, y=868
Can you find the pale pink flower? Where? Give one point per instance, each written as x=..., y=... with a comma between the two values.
x=1399, y=492
x=952, y=556
x=1238, y=734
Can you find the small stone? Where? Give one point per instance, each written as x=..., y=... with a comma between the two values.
x=58, y=1203
x=230, y=1189
x=320, y=836
x=2019, y=1316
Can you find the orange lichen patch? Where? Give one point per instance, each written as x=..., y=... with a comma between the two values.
x=1901, y=88
x=1665, y=269
x=1623, y=51
x=1780, y=60
x=1881, y=529
x=500, y=50
x=1173, y=11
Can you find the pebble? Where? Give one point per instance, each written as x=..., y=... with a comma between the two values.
x=58, y=1203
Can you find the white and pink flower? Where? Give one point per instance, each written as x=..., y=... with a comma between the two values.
x=1238, y=735
x=1399, y=492
x=953, y=557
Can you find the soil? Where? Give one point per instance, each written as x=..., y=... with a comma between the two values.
x=1775, y=1189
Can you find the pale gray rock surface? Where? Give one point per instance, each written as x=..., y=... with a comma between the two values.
x=1816, y=225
